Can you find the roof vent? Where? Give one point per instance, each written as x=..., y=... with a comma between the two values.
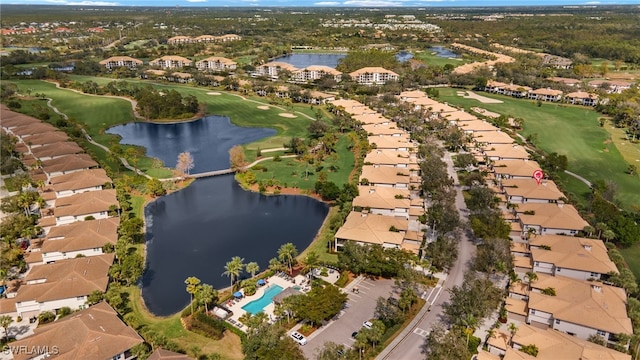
x=596, y=288
x=587, y=247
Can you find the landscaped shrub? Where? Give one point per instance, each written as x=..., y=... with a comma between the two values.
x=205, y=325
x=64, y=311
x=343, y=280
x=46, y=317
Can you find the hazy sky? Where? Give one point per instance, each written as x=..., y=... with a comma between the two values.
x=323, y=3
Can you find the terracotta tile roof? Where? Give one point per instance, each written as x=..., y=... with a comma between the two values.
x=349, y=104
x=50, y=137
x=371, y=118
x=506, y=151
x=519, y=288
x=520, y=168
x=555, y=216
x=372, y=70
x=423, y=102
x=460, y=116
x=572, y=253
x=516, y=306
x=388, y=157
x=69, y=163
x=381, y=198
x=85, y=203
x=32, y=129
x=33, y=257
x=413, y=94
x=544, y=91
x=477, y=125
x=492, y=137
x=47, y=221
x=529, y=189
x=93, y=333
x=7, y=305
x=385, y=175
x=11, y=119
x=372, y=228
x=582, y=95
x=80, y=180
x=567, y=81
x=66, y=279
x=322, y=68
x=522, y=262
x=220, y=59
x=173, y=58
x=483, y=355
x=384, y=129
x=585, y=303
x=279, y=64
x=553, y=344
x=390, y=142
x=56, y=150
x=81, y=235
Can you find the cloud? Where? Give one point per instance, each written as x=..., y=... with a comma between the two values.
x=197, y=1
x=373, y=3
x=327, y=3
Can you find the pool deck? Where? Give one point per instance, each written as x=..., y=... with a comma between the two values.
x=236, y=305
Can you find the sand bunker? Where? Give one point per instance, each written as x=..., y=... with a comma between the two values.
x=287, y=115
x=482, y=99
x=263, y=107
x=213, y=93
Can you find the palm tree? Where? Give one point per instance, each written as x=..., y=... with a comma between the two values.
x=252, y=268
x=608, y=234
x=206, y=295
x=193, y=286
x=531, y=276
x=469, y=322
x=287, y=253
x=233, y=268
x=513, y=329
x=275, y=265
x=5, y=321
x=310, y=262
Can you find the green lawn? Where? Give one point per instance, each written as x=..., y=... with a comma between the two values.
x=632, y=258
x=430, y=58
x=570, y=130
x=292, y=172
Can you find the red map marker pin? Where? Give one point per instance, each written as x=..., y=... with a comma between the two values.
x=538, y=175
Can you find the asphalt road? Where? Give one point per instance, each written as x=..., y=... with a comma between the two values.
x=410, y=346
x=361, y=307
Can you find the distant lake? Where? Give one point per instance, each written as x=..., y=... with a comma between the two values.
x=208, y=140
x=403, y=56
x=195, y=231
x=304, y=60
x=442, y=51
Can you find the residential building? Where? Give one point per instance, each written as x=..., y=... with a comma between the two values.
x=162, y=354
x=611, y=86
x=546, y=218
x=385, y=177
x=24, y=131
x=373, y=76
x=68, y=164
x=383, y=201
x=574, y=257
x=497, y=152
x=551, y=344
x=56, y=150
x=363, y=228
x=371, y=119
x=65, y=283
x=487, y=138
x=171, y=62
x=474, y=126
x=316, y=72
x=216, y=64
x=582, y=98
x=46, y=138
x=78, y=207
x=459, y=117
x=545, y=95
x=274, y=69
x=514, y=169
x=395, y=143
x=565, y=81
x=579, y=308
x=83, y=238
x=93, y=333
x=519, y=191
x=390, y=158
x=556, y=62
x=179, y=40
x=390, y=129
x=351, y=106
x=120, y=61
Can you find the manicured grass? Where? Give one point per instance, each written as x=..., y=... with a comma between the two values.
x=228, y=347
x=430, y=58
x=96, y=112
x=632, y=258
x=573, y=131
x=319, y=244
x=629, y=151
x=292, y=171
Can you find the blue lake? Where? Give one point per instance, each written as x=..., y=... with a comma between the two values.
x=195, y=231
x=303, y=60
x=442, y=51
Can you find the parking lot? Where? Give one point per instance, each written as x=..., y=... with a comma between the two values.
x=360, y=307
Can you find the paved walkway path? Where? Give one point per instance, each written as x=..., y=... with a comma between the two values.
x=229, y=171
x=585, y=181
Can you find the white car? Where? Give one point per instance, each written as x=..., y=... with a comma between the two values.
x=367, y=324
x=299, y=338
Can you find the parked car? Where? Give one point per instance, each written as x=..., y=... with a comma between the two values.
x=367, y=324
x=354, y=334
x=299, y=338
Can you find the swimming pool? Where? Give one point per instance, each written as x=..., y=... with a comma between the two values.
x=257, y=305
